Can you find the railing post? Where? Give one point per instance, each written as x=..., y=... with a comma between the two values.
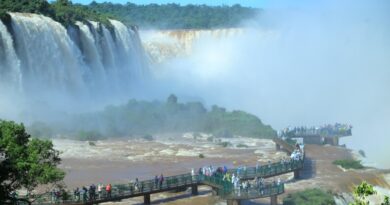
x=147, y=199
x=296, y=174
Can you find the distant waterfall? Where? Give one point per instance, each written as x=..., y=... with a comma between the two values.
x=43, y=60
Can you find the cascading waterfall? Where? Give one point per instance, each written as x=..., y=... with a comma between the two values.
x=49, y=59
x=46, y=62
x=10, y=73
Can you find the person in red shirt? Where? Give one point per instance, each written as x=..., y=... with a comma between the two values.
x=108, y=190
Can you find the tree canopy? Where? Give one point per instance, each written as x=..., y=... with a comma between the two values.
x=139, y=118
x=175, y=16
x=63, y=11
x=28, y=161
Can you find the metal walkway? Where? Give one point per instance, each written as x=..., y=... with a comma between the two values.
x=225, y=188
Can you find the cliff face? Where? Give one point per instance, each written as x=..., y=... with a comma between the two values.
x=168, y=44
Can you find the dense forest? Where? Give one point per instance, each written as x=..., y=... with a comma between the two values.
x=175, y=16
x=166, y=16
x=140, y=118
x=63, y=11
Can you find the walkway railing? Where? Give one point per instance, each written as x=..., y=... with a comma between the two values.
x=268, y=170
x=224, y=187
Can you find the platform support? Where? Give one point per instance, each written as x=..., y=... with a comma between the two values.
x=233, y=202
x=147, y=199
x=296, y=174
x=194, y=189
x=274, y=200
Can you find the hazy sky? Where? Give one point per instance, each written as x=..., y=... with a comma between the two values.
x=251, y=3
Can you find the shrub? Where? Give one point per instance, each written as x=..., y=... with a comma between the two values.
x=242, y=146
x=201, y=156
x=362, y=153
x=225, y=144
x=89, y=136
x=309, y=197
x=210, y=139
x=349, y=164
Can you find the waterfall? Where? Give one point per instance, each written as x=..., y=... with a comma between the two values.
x=50, y=61
x=126, y=49
x=10, y=74
x=86, y=63
x=92, y=57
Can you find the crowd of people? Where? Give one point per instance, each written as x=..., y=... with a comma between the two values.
x=91, y=193
x=326, y=130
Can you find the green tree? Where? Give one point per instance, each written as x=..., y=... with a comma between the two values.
x=27, y=162
x=386, y=201
x=361, y=193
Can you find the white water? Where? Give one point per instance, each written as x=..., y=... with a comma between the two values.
x=59, y=69
x=10, y=73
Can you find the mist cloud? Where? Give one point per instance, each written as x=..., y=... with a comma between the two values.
x=307, y=63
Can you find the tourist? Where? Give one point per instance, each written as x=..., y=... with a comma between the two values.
x=85, y=193
x=136, y=184
x=76, y=194
x=193, y=174
x=92, y=191
x=108, y=190
x=156, y=181
x=161, y=180
x=100, y=189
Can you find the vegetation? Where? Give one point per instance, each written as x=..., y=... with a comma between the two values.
x=167, y=16
x=201, y=156
x=141, y=117
x=225, y=144
x=349, y=164
x=242, y=146
x=362, y=192
x=309, y=197
x=63, y=11
x=89, y=136
x=174, y=16
x=386, y=201
x=28, y=161
x=362, y=153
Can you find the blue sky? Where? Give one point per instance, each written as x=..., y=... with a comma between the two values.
x=251, y=3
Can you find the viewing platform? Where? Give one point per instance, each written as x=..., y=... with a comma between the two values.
x=326, y=134
x=221, y=186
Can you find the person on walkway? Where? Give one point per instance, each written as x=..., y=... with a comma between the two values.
x=85, y=193
x=136, y=184
x=92, y=192
x=108, y=190
x=156, y=181
x=161, y=180
x=100, y=189
x=76, y=194
x=193, y=174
